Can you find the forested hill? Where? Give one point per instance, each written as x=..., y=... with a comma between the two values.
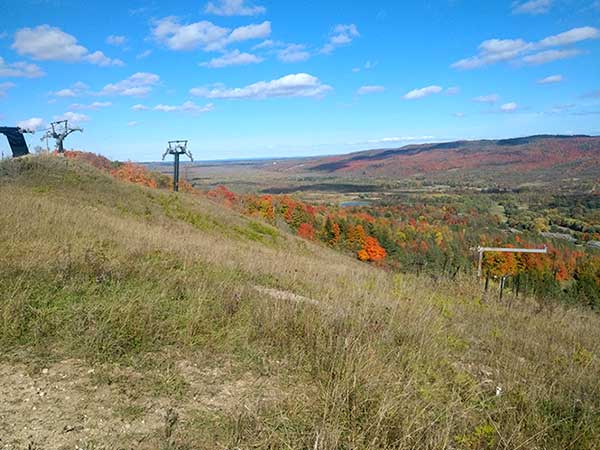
x=546, y=154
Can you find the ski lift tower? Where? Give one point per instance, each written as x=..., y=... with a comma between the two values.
x=177, y=148
x=59, y=131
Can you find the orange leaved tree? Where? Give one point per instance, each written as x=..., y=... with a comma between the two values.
x=372, y=251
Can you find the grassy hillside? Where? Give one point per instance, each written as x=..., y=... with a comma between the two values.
x=135, y=318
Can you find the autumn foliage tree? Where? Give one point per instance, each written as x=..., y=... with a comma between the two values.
x=371, y=251
x=134, y=173
x=306, y=231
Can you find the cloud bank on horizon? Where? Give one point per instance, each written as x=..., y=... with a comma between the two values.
x=244, y=77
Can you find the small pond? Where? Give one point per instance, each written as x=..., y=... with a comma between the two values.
x=354, y=203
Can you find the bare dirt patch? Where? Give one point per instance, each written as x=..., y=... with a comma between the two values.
x=69, y=404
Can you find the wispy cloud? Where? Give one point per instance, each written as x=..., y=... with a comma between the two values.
x=92, y=106
x=137, y=85
x=19, y=69
x=294, y=85
x=233, y=58
x=116, y=40
x=233, y=8
x=423, y=92
x=393, y=140
x=533, y=7
x=552, y=79
x=341, y=35
x=509, y=107
x=4, y=87
x=368, y=66
x=550, y=55
x=490, y=98
x=187, y=107
x=75, y=90
x=293, y=53
x=73, y=117
x=364, y=90
x=493, y=51
x=144, y=54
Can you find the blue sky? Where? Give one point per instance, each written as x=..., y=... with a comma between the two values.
x=258, y=78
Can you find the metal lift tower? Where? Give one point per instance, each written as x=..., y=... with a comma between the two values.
x=177, y=148
x=59, y=131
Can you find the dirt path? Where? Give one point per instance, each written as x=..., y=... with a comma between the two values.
x=70, y=405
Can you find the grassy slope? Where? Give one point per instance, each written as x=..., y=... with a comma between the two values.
x=116, y=275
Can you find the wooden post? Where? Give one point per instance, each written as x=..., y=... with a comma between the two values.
x=480, y=265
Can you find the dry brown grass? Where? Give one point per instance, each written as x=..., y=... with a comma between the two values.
x=111, y=273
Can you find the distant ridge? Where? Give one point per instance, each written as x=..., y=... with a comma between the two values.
x=574, y=153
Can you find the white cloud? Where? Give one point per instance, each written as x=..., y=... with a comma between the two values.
x=491, y=98
x=395, y=139
x=454, y=90
x=233, y=8
x=144, y=54
x=80, y=85
x=73, y=117
x=248, y=32
x=286, y=52
x=137, y=85
x=551, y=79
x=363, y=90
x=78, y=88
x=187, y=37
x=132, y=123
x=187, y=107
x=46, y=43
x=550, y=55
x=65, y=93
x=19, y=70
x=4, y=87
x=33, y=124
x=368, y=66
x=422, y=92
x=571, y=37
x=509, y=107
x=341, y=35
x=562, y=108
x=294, y=85
x=265, y=44
x=204, y=34
x=100, y=59
x=116, y=40
x=92, y=106
x=139, y=107
x=233, y=58
x=459, y=114
x=293, y=53
x=496, y=50
x=533, y=7
x=493, y=51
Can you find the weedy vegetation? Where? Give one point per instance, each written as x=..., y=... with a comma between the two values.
x=163, y=297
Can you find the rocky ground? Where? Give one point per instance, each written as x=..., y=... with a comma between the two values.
x=71, y=405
